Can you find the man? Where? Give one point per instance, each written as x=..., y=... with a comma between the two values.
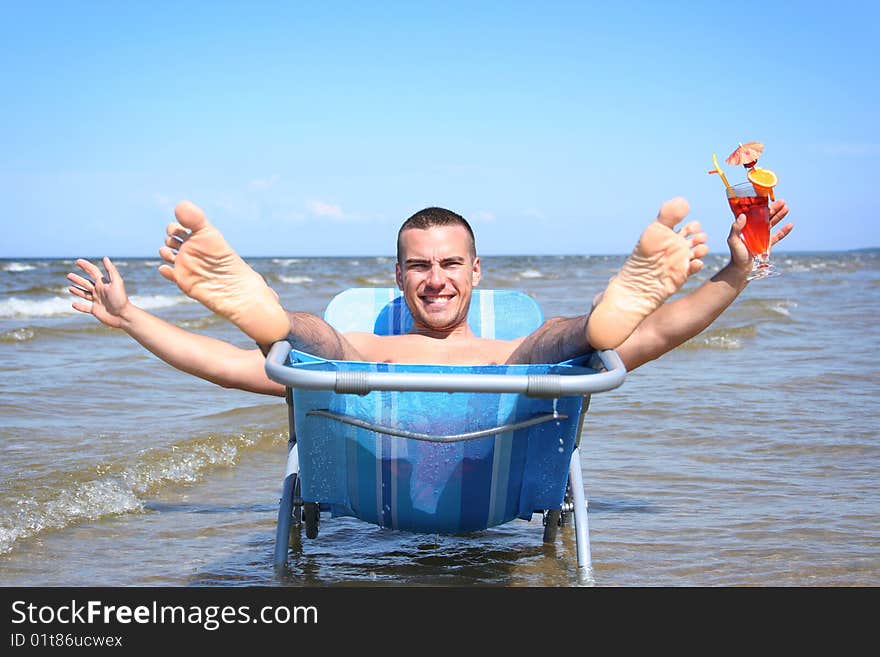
x=437, y=268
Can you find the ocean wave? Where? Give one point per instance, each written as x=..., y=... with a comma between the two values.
x=782, y=307
x=21, y=334
x=201, y=322
x=782, y=310
x=16, y=267
x=119, y=489
x=83, y=501
x=154, y=301
x=286, y=262
x=295, y=280
x=28, y=332
x=15, y=307
x=722, y=338
x=768, y=307
x=825, y=264
x=530, y=273
x=369, y=281
x=57, y=305
x=37, y=290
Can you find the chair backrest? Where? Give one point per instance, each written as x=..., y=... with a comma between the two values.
x=498, y=314
x=362, y=470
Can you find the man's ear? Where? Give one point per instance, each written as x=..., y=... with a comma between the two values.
x=398, y=276
x=477, y=273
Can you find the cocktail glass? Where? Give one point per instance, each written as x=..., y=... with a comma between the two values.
x=753, y=202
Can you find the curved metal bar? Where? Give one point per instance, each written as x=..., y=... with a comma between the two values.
x=360, y=383
x=449, y=438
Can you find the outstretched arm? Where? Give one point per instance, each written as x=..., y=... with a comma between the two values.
x=205, y=357
x=678, y=321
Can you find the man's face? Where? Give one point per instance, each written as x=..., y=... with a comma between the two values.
x=437, y=273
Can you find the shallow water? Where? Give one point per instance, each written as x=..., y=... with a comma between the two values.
x=749, y=456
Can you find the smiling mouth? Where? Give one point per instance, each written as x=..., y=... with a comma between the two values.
x=436, y=300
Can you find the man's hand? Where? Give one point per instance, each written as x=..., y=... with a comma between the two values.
x=106, y=294
x=739, y=254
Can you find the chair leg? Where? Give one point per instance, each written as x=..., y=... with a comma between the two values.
x=285, y=507
x=581, y=524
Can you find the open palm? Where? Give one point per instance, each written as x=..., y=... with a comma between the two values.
x=105, y=294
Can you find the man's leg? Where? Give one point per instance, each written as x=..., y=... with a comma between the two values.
x=658, y=266
x=207, y=269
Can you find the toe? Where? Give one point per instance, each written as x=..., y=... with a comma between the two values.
x=190, y=215
x=673, y=211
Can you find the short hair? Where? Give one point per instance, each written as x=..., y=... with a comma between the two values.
x=430, y=217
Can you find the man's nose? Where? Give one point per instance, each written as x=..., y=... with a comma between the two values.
x=436, y=277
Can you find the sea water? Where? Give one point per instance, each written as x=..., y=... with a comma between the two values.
x=748, y=456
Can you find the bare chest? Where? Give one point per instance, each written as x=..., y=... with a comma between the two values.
x=422, y=349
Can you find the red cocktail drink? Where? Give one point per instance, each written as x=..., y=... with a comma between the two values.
x=752, y=199
x=756, y=234
x=754, y=203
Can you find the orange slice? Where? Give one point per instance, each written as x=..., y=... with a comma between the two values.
x=763, y=177
x=764, y=181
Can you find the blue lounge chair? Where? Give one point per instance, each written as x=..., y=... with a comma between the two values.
x=436, y=448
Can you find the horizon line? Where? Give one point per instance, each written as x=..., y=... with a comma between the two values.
x=393, y=256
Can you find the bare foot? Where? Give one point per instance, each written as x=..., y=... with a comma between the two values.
x=206, y=269
x=657, y=268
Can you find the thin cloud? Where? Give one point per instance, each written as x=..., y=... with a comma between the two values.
x=264, y=183
x=322, y=209
x=162, y=201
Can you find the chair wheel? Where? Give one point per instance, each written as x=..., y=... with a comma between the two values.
x=551, y=524
x=567, y=506
x=311, y=517
x=556, y=518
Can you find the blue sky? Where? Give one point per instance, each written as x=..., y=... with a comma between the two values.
x=316, y=128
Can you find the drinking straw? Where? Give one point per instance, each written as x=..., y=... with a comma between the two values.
x=721, y=173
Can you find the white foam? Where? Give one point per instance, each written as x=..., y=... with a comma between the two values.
x=295, y=280
x=16, y=266
x=85, y=501
x=115, y=495
x=57, y=306
x=531, y=273
x=18, y=335
x=722, y=342
x=153, y=301
x=15, y=307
